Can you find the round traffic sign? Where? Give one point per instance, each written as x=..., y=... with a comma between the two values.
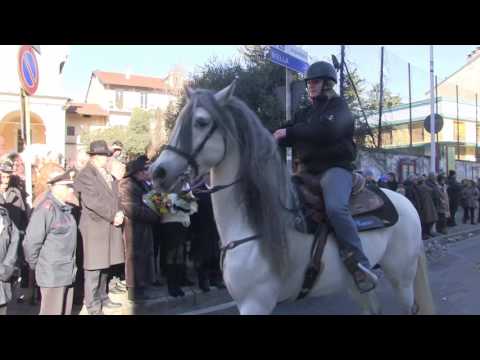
x=28, y=69
x=438, y=123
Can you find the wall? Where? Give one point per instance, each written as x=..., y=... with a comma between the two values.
x=49, y=110
x=97, y=94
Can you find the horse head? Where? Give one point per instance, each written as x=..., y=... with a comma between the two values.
x=197, y=142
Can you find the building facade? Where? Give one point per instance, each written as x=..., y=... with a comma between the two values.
x=119, y=93
x=47, y=106
x=457, y=103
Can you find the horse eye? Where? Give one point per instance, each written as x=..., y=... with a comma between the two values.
x=201, y=122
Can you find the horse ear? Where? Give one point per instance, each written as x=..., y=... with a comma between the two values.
x=224, y=95
x=188, y=91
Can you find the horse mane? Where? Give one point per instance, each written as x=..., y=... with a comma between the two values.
x=264, y=183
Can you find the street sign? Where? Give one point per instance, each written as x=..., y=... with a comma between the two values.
x=28, y=69
x=438, y=123
x=290, y=56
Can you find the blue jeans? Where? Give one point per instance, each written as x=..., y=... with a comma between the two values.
x=337, y=188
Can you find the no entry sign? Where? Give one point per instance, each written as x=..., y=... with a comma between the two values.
x=28, y=69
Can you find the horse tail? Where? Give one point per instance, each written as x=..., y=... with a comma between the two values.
x=422, y=291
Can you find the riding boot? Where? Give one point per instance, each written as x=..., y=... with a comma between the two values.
x=184, y=280
x=365, y=279
x=179, y=279
x=203, y=283
x=173, y=278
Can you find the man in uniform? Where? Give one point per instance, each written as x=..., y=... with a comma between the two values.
x=50, y=244
x=322, y=136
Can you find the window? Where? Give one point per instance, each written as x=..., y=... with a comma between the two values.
x=459, y=131
x=387, y=137
x=119, y=99
x=70, y=130
x=407, y=167
x=417, y=133
x=143, y=100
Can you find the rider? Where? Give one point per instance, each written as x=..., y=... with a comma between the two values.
x=322, y=137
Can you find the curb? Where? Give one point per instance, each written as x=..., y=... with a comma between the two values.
x=457, y=236
x=166, y=305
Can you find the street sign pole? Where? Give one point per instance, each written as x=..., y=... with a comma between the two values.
x=288, y=113
x=26, y=138
x=292, y=58
x=29, y=78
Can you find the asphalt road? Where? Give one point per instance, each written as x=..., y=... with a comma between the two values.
x=455, y=281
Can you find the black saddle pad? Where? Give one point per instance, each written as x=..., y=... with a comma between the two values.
x=385, y=216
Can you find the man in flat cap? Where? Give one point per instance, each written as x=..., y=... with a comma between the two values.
x=50, y=245
x=100, y=225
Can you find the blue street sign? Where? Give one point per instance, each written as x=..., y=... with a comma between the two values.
x=280, y=57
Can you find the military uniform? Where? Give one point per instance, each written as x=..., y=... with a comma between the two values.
x=50, y=249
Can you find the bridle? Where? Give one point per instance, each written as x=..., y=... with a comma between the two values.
x=191, y=158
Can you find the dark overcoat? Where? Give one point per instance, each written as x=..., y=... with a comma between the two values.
x=137, y=233
x=102, y=241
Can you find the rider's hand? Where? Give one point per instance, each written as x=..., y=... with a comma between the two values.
x=280, y=134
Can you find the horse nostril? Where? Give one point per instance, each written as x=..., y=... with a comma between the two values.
x=160, y=173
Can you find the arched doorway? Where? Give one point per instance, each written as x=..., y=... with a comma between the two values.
x=10, y=131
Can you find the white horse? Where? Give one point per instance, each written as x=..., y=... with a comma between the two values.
x=218, y=133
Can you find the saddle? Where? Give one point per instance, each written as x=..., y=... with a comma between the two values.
x=370, y=207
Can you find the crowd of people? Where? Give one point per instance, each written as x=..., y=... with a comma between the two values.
x=436, y=197
x=89, y=232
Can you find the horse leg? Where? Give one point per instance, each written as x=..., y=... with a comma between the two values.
x=259, y=301
x=368, y=301
x=403, y=285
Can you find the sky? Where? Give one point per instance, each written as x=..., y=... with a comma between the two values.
x=157, y=60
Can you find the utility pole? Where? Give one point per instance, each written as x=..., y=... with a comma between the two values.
x=476, y=127
x=380, y=107
x=432, y=114
x=410, y=105
x=342, y=75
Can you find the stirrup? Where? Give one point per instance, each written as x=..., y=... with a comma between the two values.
x=368, y=283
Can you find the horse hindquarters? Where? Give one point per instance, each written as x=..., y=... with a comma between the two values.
x=402, y=261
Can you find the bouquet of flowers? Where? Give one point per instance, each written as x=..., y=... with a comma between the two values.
x=159, y=203
x=162, y=203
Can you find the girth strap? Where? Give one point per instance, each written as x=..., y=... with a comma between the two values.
x=315, y=267
x=233, y=245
